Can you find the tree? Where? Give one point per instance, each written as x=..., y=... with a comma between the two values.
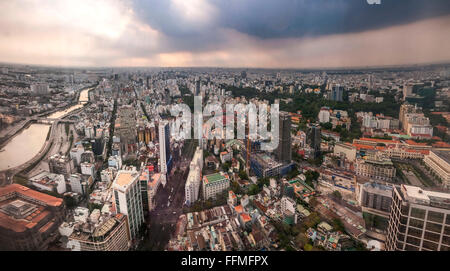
x=327, y=125
x=70, y=202
x=311, y=176
x=236, y=188
x=93, y=206
x=338, y=225
x=253, y=189
x=337, y=194
x=293, y=173
x=243, y=175
x=226, y=166
x=263, y=181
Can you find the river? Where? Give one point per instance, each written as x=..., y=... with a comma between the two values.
x=27, y=144
x=84, y=98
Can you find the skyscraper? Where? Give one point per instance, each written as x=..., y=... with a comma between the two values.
x=193, y=181
x=149, y=81
x=128, y=199
x=419, y=220
x=336, y=93
x=284, y=152
x=164, y=147
x=313, y=139
x=197, y=87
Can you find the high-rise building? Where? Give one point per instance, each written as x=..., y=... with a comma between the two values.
x=144, y=180
x=164, y=147
x=192, y=187
x=110, y=233
x=336, y=93
x=128, y=199
x=313, y=139
x=405, y=109
x=370, y=82
x=419, y=220
x=77, y=184
x=61, y=164
x=375, y=196
x=417, y=125
x=197, y=87
x=284, y=152
x=407, y=90
x=324, y=115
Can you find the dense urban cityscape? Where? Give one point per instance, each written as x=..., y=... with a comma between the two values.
x=91, y=160
x=213, y=126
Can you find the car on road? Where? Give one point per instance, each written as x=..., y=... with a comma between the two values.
x=174, y=213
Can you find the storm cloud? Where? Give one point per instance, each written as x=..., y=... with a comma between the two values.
x=229, y=33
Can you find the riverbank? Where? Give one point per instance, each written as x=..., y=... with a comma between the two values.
x=24, y=124
x=9, y=153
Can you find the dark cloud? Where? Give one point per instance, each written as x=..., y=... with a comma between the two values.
x=289, y=18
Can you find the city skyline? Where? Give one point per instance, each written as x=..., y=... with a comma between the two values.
x=225, y=125
x=201, y=33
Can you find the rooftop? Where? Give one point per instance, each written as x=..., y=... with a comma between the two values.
x=425, y=197
x=28, y=192
x=445, y=155
x=22, y=208
x=212, y=178
x=125, y=178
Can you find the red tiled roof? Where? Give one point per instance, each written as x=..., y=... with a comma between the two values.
x=239, y=209
x=441, y=144
x=245, y=217
x=412, y=142
x=379, y=140
x=47, y=199
x=361, y=146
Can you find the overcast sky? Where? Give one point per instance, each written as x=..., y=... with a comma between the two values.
x=225, y=33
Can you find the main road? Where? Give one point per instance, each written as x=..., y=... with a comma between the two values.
x=162, y=220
